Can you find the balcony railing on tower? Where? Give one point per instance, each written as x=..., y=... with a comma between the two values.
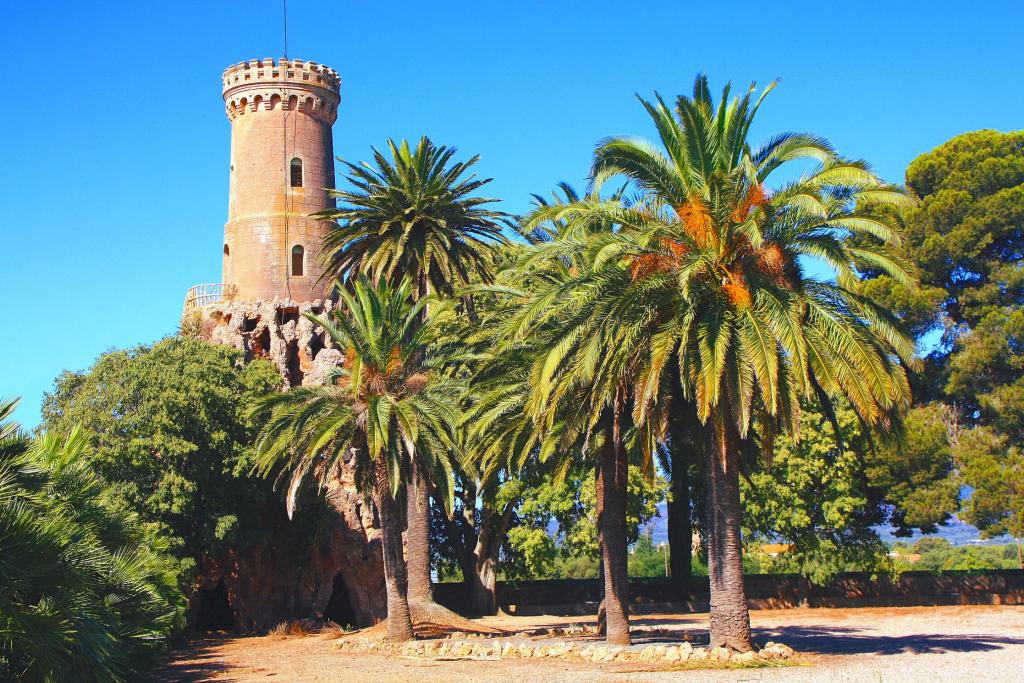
x=204, y=295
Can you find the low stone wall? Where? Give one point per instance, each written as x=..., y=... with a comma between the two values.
x=764, y=591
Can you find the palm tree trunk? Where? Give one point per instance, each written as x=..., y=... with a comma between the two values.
x=680, y=522
x=484, y=582
x=611, y=505
x=417, y=509
x=395, y=582
x=730, y=620
x=684, y=431
x=418, y=537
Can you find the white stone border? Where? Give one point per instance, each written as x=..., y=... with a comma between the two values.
x=484, y=648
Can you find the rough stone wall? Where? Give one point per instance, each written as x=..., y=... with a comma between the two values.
x=284, y=578
x=278, y=331
x=280, y=579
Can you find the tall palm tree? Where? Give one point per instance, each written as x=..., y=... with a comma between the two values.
x=576, y=414
x=549, y=223
x=510, y=433
x=702, y=301
x=382, y=410
x=414, y=215
x=571, y=408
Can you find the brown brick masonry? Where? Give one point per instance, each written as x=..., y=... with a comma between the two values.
x=279, y=111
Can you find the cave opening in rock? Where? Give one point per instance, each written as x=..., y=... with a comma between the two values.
x=316, y=345
x=261, y=349
x=295, y=373
x=289, y=315
x=339, y=608
x=214, y=613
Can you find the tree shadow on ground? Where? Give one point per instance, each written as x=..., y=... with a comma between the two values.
x=824, y=639
x=198, y=661
x=842, y=640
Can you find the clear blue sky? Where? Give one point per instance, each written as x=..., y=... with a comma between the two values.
x=115, y=168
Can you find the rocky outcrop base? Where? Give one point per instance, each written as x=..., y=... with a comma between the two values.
x=289, y=576
x=277, y=330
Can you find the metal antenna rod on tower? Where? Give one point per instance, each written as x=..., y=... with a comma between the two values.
x=284, y=8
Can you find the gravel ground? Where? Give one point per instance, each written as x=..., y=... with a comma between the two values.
x=977, y=643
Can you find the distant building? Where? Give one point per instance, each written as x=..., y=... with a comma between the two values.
x=775, y=549
x=910, y=558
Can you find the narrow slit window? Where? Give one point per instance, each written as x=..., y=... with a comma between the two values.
x=298, y=260
x=296, y=170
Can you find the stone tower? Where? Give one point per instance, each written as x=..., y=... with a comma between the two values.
x=282, y=166
x=282, y=163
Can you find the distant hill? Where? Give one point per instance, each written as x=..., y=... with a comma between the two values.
x=956, y=532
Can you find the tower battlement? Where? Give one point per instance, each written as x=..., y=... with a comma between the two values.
x=286, y=83
x=281, y=174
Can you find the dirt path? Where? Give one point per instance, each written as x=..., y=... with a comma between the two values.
x=894, y=644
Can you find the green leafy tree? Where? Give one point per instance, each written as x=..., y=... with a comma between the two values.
x=86, y=592
x=167, y=429
x=913, y=472
x=965, y=238
x=570, y=502
x=995, y=470
x=471, y=538
x=965, y=234
x=647, y=559
x=938, y=554
x=826, y=492
x=813, y=494
x=414, y=215
x=382, y=410
x=935, y=553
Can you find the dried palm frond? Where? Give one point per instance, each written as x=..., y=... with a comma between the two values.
x=696, y=221
x=738, y=295
x=771, y=260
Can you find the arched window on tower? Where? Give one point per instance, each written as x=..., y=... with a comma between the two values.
x=298, y=260
x=296, y=172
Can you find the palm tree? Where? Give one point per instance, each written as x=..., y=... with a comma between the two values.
x=83, y=593
x=382, y=411
x=527, y=411
x=570, y=409
x=702, y=301
x=549, y=223
x=414, y=215
x=511, y=434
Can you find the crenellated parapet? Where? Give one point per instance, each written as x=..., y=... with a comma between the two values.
x=289, y=84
